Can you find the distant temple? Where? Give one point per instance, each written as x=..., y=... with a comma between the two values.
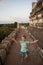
x=36, y=16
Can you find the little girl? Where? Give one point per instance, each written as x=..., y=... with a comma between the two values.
x=24, y=46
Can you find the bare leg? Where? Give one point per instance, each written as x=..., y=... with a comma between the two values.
x=22, y=55
x=26, y=56
x=22, y=58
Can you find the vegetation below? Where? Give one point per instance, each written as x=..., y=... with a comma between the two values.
x=6, y=29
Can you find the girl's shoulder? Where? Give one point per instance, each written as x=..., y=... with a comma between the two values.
x=20, y=41
x=24, y=41
x=27, y=41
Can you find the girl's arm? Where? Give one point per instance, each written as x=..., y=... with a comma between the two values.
x=32, y=42
x=13, y=39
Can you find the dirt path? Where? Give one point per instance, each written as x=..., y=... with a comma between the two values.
x=14, y=58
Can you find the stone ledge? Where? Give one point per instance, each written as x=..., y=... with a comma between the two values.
x=40, y=51
x=3, y=55
x=5, y=45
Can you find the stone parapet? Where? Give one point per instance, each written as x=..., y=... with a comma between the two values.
x=6, y=45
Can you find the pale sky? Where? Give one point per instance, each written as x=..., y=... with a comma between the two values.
x=15, y=10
